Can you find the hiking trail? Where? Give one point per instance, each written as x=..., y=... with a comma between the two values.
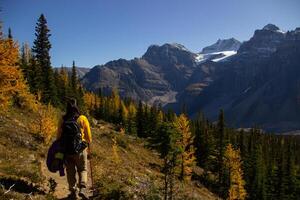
x=61, y=190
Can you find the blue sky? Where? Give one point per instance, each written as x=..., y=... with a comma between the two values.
x=94, y=32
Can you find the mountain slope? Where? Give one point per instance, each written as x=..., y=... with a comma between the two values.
x=122, y=167
x=259, y=86
x=155, y=77
x=228, y=74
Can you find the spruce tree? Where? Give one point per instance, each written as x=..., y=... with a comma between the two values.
x=41, y=50
x=140, y=120
x=10, y=34
x=73, y=80
x=221, y=144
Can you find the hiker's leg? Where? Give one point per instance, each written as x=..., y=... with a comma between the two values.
x=71, y=172
x=82, y=169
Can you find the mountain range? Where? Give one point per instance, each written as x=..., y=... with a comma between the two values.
x=256, y=82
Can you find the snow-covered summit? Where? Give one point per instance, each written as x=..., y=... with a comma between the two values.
x=230, y=44
x=272, y=27
x=219, y=51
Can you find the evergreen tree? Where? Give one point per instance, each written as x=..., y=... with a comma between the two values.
x=165, y=142
x=140, y=120
x=26, y=57
x=41, y=50
x=290, y=175
x=73, y=79
x=9, y=34
x=221, y=144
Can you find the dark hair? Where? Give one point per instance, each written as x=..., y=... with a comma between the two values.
x=72, y=109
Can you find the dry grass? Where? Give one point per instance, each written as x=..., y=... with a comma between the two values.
x=134, y=175
x=137, y=174
x=20, y=153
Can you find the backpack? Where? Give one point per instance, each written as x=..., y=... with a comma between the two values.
x=71, y=138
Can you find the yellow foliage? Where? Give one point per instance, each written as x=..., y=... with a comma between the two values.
x=64, y=76
x=116, y=157
x=131, y=110
x=187, y=157
x=12, y=85
x=160, y=116
x=115, y=101
x=46, y=123
x=9, y=52
x=124, y=111
x=237, y=184
x=90, y=100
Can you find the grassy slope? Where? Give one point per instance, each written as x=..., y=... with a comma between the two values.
x=131, y=171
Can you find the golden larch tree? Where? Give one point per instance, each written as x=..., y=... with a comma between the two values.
x=233, y=164
x=185, y=144
x=12, y=85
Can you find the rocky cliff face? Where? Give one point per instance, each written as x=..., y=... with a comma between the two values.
x=255, y=82
x=258, y=86
x=155, y=78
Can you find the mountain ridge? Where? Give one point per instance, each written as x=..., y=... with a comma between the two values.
x=171, y=75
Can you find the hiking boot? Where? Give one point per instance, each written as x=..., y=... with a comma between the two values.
x=72, y=196
x=83, y=193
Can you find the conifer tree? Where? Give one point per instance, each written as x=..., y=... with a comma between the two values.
x=13, y=90
x=26, y=57
x=73, y=79
x=9, y=34
x=41, y=50
x=185, y=144
x=221, y=144
x=131, y=125
x=290, y=175
x=233, y=164
x=140, y=120
x=165, y=141
x=256, y=168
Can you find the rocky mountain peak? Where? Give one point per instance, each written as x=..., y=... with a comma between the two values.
x=169, y=53
x=264, y=41
x=271, y=27
x=230, y=44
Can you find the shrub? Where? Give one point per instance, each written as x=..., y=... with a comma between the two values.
x=46, y=123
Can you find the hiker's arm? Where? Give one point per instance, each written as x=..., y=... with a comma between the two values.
x=59, y=130
x=87, y=130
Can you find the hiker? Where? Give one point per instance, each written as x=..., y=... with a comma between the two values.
x=75, y=136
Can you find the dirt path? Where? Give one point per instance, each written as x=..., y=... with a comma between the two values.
x=61, y=190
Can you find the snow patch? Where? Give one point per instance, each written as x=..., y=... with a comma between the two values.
x=226, y=55
x=245, y=91
x=281, y=31
x=199, y=58
x=179, y=46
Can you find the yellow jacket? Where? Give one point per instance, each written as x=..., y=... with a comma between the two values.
x=84, y=128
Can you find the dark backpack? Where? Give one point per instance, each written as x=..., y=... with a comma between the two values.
x=71, y=138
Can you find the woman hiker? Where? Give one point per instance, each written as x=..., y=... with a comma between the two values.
x=75, y=136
